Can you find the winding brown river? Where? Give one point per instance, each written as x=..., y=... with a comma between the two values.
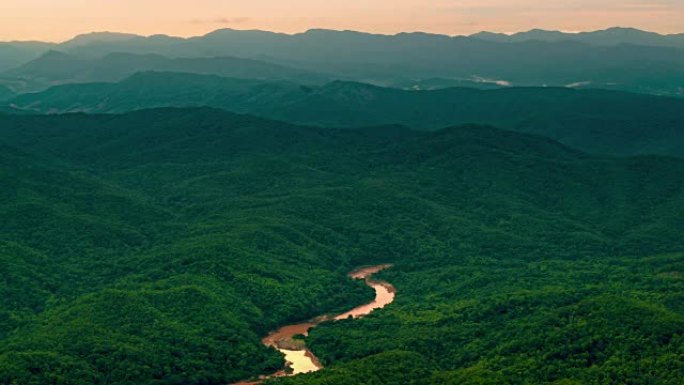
x=299, y=359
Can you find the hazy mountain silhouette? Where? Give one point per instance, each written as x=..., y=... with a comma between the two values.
x=406, y=59
x=55, y=67
x=607, y=37
x=98, y=38
x=13, y=54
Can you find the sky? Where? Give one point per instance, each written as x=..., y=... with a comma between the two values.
x=59, y=20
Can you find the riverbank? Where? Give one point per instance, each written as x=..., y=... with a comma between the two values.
x=299, y=359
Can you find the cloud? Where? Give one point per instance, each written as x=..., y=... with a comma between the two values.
x=223, y=20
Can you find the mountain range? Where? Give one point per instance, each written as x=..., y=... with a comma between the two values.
x=166, y=203
x=597, y=121
x=610, y=36
x=408, y=59
x=58, y=68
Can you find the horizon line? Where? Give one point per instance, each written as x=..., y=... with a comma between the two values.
x=187, y=37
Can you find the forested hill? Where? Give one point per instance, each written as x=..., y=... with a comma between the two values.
x=156, y=247
x=598, y=121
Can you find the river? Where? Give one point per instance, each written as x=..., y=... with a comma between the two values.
x=299, y=359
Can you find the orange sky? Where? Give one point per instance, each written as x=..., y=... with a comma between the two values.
x=58, y=20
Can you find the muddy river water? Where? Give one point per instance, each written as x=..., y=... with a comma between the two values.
x=298, y=357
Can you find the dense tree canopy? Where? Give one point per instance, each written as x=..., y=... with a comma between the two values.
x=158, y=247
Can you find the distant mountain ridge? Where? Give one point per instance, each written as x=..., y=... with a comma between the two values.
x=613, y=35
x=102, y=43
x=617, y=58
x=591, y=120
x=97, y=37
x=607, y=37
x=56, y=67
x=13, y=54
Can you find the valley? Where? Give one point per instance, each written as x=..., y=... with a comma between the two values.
x=217, y=228
x=287, y=339
x=313, y=193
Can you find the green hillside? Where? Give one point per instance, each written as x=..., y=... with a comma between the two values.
x=596, y=121
x=102, y=283
x=156, y=247
x=503, y=320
